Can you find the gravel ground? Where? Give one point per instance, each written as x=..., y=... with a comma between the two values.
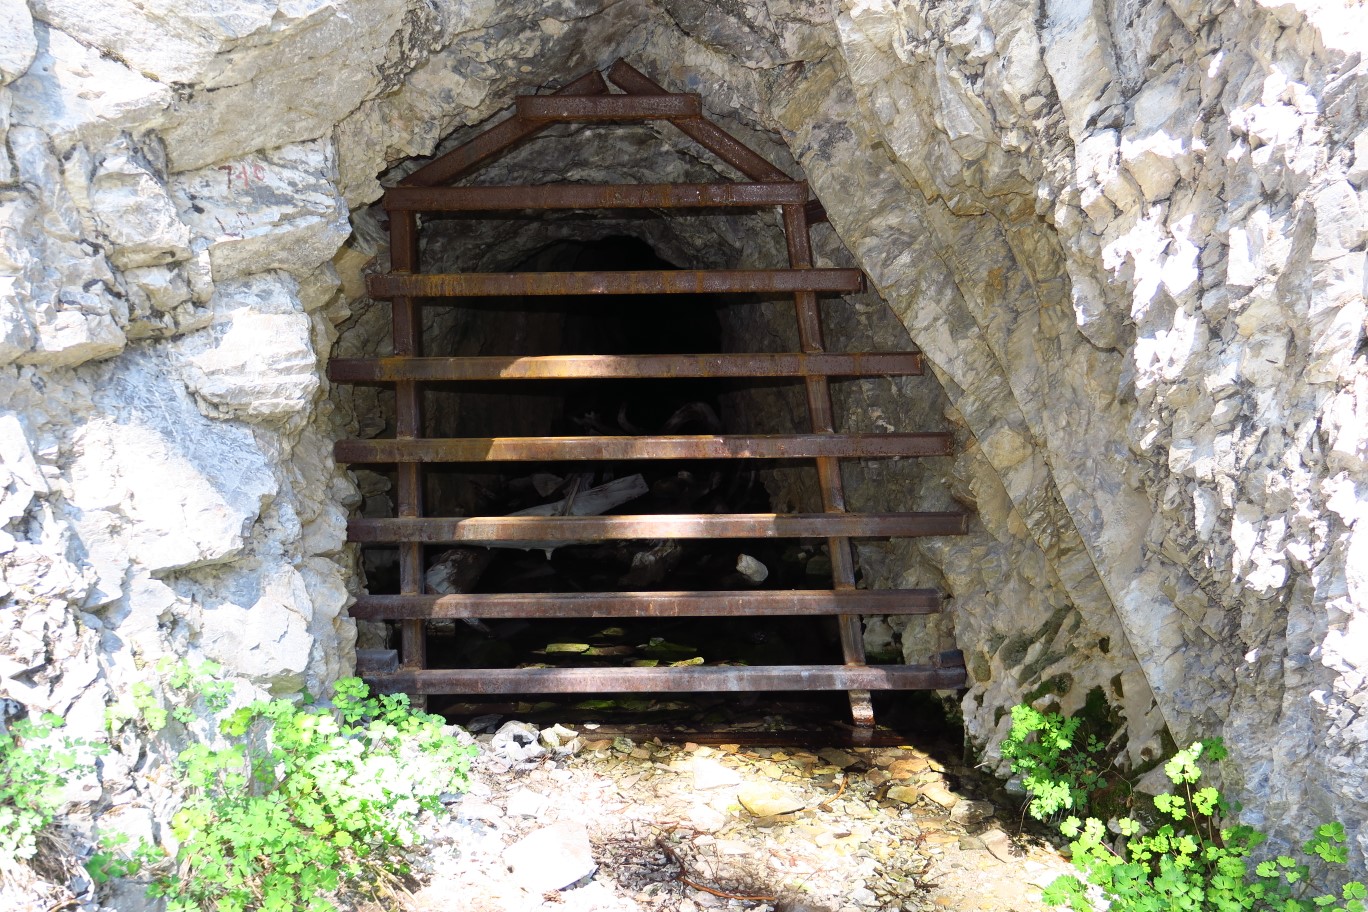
x=599, y=825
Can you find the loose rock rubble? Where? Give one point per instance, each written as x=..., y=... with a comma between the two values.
x=682, y=827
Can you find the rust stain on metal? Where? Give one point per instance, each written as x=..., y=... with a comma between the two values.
x=744, y=602
x=621, y=367
x=595, y=196
x=467, y=529
x=634, y=282
x=534, y=449
x=701, y=130
x=697, y=679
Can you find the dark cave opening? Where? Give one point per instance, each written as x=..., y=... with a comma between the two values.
x=599, y=325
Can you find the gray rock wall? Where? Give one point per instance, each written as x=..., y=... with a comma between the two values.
x=1129, y=237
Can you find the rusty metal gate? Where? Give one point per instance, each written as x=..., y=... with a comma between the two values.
x=588, y=99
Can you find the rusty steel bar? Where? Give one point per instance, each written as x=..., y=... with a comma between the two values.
x=608, y=107
x=622, y=367
x=455, y=530
x=740, y=603
x=683, y=446
x=828, y=469
x=498, y=139
x=698, y=679
x=644, y=282
x=815, y=212
x=408, y=406
x=594, y=196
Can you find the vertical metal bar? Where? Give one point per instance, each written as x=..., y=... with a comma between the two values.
x=828, y=468
x=408, y=408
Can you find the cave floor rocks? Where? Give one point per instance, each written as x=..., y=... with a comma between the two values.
x=620, y=825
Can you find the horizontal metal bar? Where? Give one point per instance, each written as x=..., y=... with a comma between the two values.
x=745, y=602
x=645, y=282
x=608, y=107
x=622, y=367
x=453, y=530
x=674, y=446
x=495, y=141
x=594, y=196
x=698, y=678
x=815, y=212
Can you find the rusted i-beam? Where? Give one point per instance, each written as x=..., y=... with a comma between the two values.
x=828, y=468
x=455, y=530
x=745, y=602
x=638, y=282
x=698, y=679
x=622, y=367
x=408, y=407
x=495, y=141
x=674, y=446
x=594, y=196
x=608, y=107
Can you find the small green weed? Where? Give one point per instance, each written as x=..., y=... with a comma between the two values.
x=294, y=802
x=1187, y=861
x=1059, y=767
x=34, y=767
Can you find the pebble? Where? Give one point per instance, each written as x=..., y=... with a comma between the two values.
x=768, y=799
x=907, y=794
x=1000, y=844
x=709, y=774
x=837, y=758
x=971, y=812
x=551, y=858
x=906, y=769
x=526, y=803
x=938, y=793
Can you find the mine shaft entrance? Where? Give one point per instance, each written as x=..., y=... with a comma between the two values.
x=531, y=488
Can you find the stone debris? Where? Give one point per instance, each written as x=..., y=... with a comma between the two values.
x=551, y=858
x=517, y=743
x=560, y=740
x=709, y=774
x=768, y=799
x=644, y=831
x=966, y=811
x=752, y=569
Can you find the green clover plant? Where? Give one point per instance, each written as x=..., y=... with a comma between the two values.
x=293, y=802
x=1186, y=860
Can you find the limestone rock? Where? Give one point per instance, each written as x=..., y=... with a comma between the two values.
x=73, y=92
x=17, y=43
x=122, y=464
x=768, y=799
x=709, y=774
x=970, y=812
x=551, y=858
x=134, y=211
x=256, y=362
x=267, y=640
x=273, y=210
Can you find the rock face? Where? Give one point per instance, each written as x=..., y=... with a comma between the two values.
x=1129, y=238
